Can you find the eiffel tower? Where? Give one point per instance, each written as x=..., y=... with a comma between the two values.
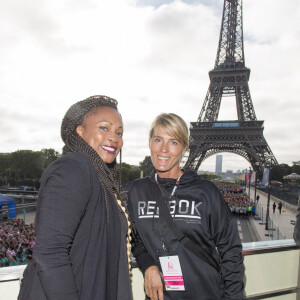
x=230, y=77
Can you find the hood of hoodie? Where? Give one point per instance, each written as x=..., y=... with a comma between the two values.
x=167, y=184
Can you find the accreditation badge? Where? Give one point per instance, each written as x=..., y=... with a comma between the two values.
x=171, y=269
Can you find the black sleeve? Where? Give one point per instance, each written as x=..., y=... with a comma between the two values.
x=225, y=233
x=63, y=199
x=139, y=251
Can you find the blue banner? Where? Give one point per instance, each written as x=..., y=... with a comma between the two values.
x=265, y=180
x=12, y=210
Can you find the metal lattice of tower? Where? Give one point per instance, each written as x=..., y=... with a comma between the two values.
x=230, y=77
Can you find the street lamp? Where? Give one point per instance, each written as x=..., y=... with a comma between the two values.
x=269, y=196
x=255, y=184
x=249, y=181
x=268, y=208
x=255, y=187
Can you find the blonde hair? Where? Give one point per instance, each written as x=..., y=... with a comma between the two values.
x=173, y=125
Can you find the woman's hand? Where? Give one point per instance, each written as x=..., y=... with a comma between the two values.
x=153, y=284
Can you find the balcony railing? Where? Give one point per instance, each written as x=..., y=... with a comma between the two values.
x=272, y=272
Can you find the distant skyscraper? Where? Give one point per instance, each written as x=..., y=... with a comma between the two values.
x=219, y=159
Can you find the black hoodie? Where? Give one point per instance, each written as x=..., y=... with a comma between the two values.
x=200, y=212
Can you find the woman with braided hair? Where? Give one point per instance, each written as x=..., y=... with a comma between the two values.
x=82, y=229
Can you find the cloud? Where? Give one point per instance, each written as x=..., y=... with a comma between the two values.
x=152, y=57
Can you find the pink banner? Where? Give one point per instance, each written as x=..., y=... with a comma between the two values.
x=247, y=177
x=253, y=177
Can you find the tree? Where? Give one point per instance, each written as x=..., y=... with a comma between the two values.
x=129, y=172
x=278, y=171
x=296, y=167
x=134, y=173
x=146, y=166
x=50, y=155
x=4, y=163
x=125, y=171
x=5, y=159
x=27, y=164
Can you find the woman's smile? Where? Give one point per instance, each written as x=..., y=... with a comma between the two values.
x=109, y=149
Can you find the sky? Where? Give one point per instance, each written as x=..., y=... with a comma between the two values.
x=153, y=56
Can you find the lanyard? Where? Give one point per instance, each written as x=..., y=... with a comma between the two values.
x=170, y=197
x=174, y=188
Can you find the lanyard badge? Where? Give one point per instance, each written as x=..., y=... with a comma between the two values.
x=170, y=265
x=171, y=269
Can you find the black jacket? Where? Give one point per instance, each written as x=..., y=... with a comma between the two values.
x=199, y=210
x=77, y=251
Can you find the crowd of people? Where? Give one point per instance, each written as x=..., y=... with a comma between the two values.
x=16, y=242
x=238, y=201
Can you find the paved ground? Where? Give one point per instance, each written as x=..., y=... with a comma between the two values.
x=245, y=231
x=283, y=220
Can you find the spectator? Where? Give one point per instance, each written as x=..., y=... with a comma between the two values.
x=3, y=260
x=16, y=242
x=257, y=198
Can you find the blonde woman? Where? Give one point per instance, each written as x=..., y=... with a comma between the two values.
x=185, y=241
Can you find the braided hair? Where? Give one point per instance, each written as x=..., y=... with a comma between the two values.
x=75, y=143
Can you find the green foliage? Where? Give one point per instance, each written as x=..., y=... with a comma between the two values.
x=50, y=155
x=278, y=171
x=296, y=167
x=27, y=163
x=129, y=172
x=146, y=166
x=24, y=167
x=5, y=164
x=132, y=172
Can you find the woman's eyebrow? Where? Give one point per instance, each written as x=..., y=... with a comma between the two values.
x=110, y=123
